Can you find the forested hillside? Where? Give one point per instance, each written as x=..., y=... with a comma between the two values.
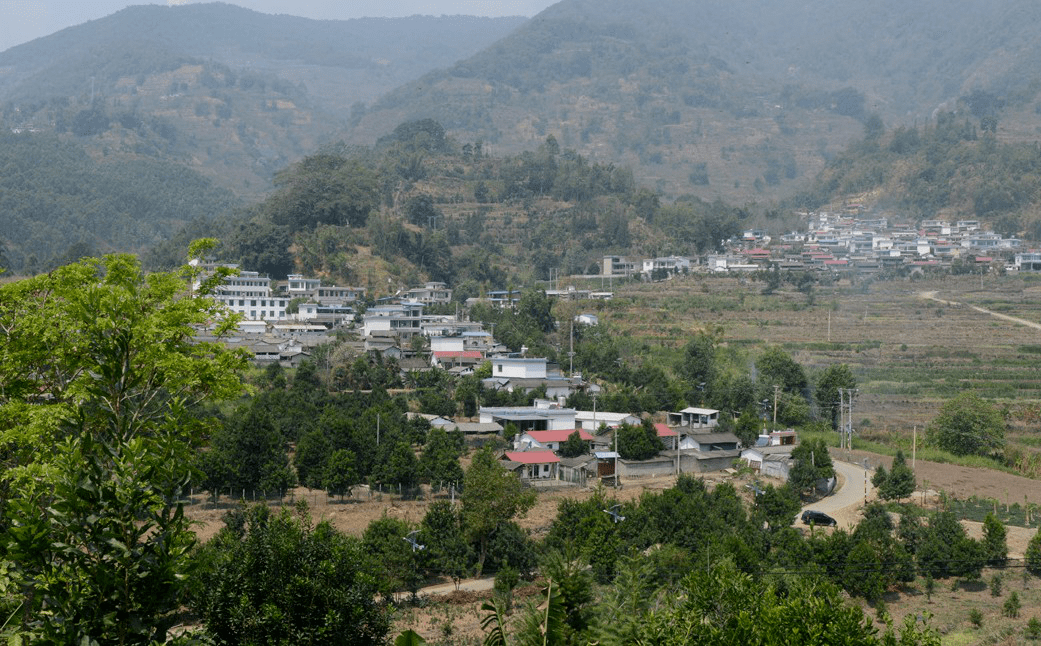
x=738, y=100
x=60, y=204
x=230, y=92
x=953, y=168
x=420, y=206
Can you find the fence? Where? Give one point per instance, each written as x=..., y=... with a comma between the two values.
x=320, y=498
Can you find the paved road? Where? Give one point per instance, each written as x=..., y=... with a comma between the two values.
x=849, y=494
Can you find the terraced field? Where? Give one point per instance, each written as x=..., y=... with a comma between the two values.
x=909, y=351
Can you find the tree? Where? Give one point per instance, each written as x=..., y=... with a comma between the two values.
x=248, y=453
x=384, y=540
x=420, y=211
x=573, y=446
x=398, y=466
x=1033, y=554
x=946, y=550
x=777, y=506
x=638, y=442
x=995, y=542
x=440, y=459
x=897, y=483
x=828, y=384
x=341, y=473
x=968, y=425
x=311, y=458
x=777, y=368
x=811, y=463
x=699, y=363
x=324, y=189
x=275, y=579
x=491, y=497
x=447, y=550
x=100, y=378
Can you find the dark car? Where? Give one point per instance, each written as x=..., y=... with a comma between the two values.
x=812, y=517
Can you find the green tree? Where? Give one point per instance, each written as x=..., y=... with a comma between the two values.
x=341, y=473
x=895, y=484
x=946, y=550
x=385, y=540
x=491, y=497
x=777, y=368
x=324, y=189
x=311, y=458
x=398, y=466
x=447, y=550
x=777, y=506
x=829, y=382
x=995, y=541
x=100, y=377
x=811, y=463
x=440, y=459
x=638, y=442
x=247, y=453
x=573, y=446
x=698, y=366
x=1033, y=554
x=967, y=425
x=275, y=579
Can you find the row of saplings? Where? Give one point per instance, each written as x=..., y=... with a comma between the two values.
x=270, y=578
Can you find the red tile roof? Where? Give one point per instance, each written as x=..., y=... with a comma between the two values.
x=557, y=436
x=457, y=354
x=664, y=431
x=531, y=457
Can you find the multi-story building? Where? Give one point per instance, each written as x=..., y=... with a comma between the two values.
x=430, y=294
x=247, y=293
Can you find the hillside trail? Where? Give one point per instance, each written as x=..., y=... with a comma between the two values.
x=1012, y=319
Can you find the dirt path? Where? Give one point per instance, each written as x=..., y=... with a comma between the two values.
x=1012, y=319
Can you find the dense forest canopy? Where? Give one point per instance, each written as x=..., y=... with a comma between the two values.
x=60, y=204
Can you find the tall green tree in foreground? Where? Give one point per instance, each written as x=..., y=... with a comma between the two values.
x=99, y=376
x=491, y=498
x=274, y=579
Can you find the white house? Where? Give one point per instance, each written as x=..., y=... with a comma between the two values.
x=547, y=440
x=430, y=294
x=534, y=465
x=591, y=421
x=404, y=319
x=527, y=418
x=695, y=417
x=671, y=264
x=519, y=367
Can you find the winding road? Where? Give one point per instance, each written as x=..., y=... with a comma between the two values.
x=853, y=489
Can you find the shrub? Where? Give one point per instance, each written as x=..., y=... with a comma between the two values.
x=976, y=617
x=1012, y=606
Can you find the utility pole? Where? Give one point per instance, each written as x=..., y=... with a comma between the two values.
x=571, y=352
x=777, y=390
x=842, y=421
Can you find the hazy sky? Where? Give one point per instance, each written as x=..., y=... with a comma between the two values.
x=24, y=20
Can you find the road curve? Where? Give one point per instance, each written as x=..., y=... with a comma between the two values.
x=853, y=489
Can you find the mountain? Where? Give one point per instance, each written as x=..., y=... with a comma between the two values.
x=741, y=99
x=233, y=93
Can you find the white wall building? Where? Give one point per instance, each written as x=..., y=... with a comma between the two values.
x=519, y=367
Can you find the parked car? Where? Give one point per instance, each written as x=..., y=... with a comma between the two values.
x=814, y=517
